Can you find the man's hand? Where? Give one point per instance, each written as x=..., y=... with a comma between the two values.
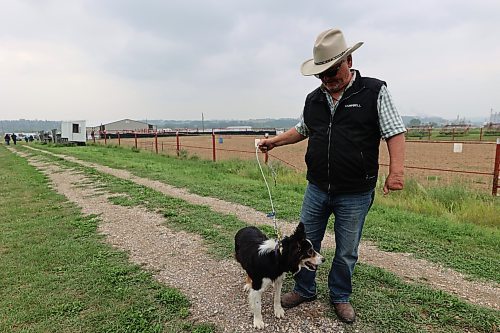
x=394, y=182
x=265, y=145
x=286, y=138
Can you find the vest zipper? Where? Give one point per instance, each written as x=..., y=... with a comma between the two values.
x=330, y=132
x=328, y=154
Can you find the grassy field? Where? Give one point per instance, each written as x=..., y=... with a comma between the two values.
x=425, y=160
x=474, y=134
x=57, y=275
x=416, y=222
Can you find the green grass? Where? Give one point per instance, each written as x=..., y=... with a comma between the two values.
x=203, y=177
x=467, y=248
x=57, y=275
x=473, y=134
x=453, y=226
x=455, y=202
x=390, y=305
x=383, y=301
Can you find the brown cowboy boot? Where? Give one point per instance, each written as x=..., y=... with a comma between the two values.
x=292, y=299
x=345, y=312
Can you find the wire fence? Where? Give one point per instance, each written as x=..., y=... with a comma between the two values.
x=475, y=163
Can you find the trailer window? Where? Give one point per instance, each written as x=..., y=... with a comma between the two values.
x=76, y=128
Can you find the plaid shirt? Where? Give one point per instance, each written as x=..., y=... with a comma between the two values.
x=390, y=121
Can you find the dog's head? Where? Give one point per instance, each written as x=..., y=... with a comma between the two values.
x=299, y=251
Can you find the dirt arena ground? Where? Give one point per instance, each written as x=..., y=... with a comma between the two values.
x=475, y=157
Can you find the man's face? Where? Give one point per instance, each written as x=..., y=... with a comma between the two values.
x=336, y=78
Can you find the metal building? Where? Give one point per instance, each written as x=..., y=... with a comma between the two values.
x=123, y=126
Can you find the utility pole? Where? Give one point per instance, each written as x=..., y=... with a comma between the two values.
x=202, y=122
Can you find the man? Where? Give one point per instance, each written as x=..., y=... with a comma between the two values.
x=344, y=119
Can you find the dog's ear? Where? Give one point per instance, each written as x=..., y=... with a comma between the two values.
x=300, y=232
x=298, y=236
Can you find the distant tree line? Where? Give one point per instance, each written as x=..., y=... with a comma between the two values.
x=285, y=123
x=254, y=123
x=24, y=125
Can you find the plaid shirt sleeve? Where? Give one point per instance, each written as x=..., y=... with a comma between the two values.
x=390, y=121
x=301, y=127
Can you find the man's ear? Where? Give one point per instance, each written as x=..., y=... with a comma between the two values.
x=349, y=60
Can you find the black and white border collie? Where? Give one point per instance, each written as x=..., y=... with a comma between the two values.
x=266, y=262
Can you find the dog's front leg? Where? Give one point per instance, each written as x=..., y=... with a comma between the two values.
x=248, y=284
x=278, y=310
x=255, y=299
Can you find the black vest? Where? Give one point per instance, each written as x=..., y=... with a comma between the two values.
x=342, y=152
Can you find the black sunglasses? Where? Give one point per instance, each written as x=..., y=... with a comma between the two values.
x=330, y=72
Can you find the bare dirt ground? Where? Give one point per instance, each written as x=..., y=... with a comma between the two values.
x=216, y=288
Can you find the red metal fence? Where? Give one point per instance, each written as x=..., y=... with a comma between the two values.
x=212, y=147
x=496, y=169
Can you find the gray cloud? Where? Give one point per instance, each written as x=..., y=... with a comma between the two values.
x=166, y=59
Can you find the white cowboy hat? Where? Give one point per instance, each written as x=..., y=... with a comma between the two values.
x=329, y=49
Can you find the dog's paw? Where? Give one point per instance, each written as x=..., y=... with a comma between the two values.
x=279, y=312
x=258, y=324
x=247, y=287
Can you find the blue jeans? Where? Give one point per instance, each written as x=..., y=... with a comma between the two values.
x=349, y=211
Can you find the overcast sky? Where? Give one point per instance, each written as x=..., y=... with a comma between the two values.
x=105, y=60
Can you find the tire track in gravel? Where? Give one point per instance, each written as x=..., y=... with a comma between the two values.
x=402, y=264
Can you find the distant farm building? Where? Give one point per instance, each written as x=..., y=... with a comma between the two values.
x=239, y=128
x=121, y=126
x=73, y=132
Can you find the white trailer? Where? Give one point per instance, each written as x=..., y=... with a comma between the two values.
x=74, y=131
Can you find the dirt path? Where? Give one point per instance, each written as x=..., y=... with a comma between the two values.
x=180, y=260
x=122, y=235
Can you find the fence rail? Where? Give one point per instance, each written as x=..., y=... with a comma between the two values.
x=183, y=143
x=496, y=170
x=454, y=133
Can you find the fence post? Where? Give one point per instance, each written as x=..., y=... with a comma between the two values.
x=178, y=143
x=156, y=141
x=453, y=135
x=429, y=134
x=496, y=171
x=481, y=135
x=119, y=141
x=135, y=139
x=105, y=137
x=266, y=154
x=213, y=146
